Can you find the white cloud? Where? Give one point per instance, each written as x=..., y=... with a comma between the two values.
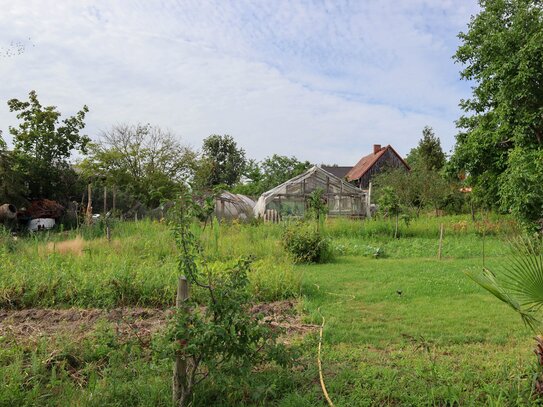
x=319, y=81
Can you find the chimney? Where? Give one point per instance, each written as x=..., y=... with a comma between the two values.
x=376, y=148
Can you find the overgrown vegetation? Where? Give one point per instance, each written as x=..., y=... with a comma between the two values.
x=223, y=337
x=306, y=243
x=396, y=330
x=137, y=267
x=501, y=131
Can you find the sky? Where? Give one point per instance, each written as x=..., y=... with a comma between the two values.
x=320, y=80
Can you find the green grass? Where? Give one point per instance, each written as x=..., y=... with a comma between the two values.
x=443, y=341
x=138, y=267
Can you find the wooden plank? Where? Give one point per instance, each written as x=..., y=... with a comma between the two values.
x=179, y=385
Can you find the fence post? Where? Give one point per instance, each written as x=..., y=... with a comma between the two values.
x=180, y=363
x=105, y=199
x=113, y=199
x=440, y=242
x=88, y=214
x=108, y=229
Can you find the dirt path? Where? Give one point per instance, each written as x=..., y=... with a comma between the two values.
x=31, y=324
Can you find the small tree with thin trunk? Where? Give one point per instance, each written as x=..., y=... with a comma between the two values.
x=223, y=337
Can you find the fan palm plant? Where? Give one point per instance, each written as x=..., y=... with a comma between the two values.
x=520, y=285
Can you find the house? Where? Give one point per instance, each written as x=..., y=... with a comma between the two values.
x=369, y=165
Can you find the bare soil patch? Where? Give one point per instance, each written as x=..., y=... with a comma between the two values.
x=31, y=324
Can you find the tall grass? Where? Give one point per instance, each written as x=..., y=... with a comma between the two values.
x=139, y=265
x=406, y=330
x=422, y=227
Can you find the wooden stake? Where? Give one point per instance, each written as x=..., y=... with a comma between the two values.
x=368, y=202
x=114, y=200
x=88, y=217
x=180, y=364
x=440, y=242
x=105, y=199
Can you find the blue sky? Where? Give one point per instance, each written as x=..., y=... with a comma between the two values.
x=319, y=80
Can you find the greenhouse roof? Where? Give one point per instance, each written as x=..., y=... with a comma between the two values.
x=319, y=174
x=304, y=184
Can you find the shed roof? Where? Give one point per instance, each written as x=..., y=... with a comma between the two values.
x=338, y=171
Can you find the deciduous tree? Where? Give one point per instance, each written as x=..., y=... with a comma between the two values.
x=224, y=159
x=502, y=53
x=142, y=160
x=43, y=145
x=272, y=171
x=12, y=187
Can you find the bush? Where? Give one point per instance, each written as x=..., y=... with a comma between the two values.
x=306, y=244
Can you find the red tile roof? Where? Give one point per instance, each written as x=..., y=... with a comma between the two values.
x=367, y=162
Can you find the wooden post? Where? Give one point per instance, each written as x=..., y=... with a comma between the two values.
x=105, y=199
x=440, y=242
x=88, y=217
x=368, y=202
x=340, y=196
x=114, y=199
x=180, y=364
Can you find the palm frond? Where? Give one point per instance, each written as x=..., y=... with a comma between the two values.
x=487, y=280
x=523, y=274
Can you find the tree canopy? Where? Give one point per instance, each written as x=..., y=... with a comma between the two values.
x=12, y=187
x=428, y=154
x=425, y=186
x=43, y=145
x=502, y=53
x=270, y=172
x=141, y=160
x=223, y=162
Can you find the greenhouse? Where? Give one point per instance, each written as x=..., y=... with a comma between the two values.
x=230, y=206
x=290, y=198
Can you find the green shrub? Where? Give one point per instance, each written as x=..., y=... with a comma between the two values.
x=306, y=244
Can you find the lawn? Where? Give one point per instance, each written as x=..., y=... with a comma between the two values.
x=442, y=341
x=401, y=327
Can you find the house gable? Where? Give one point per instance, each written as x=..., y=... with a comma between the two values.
x=372, y=164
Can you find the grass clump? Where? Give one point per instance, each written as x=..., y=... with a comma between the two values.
x=270, y=280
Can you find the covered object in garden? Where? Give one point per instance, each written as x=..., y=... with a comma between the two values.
x=290, y=198
x=230, y=206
